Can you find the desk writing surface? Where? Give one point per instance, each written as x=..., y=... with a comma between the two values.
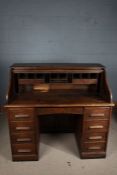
x=58, y=98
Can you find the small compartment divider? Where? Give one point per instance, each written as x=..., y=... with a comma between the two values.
x=58, y=78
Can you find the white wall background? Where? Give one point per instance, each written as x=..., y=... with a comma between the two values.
x=58, y=31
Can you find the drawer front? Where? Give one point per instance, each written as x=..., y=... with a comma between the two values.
x=25, y=137
x=96, y=126
x=93, y=137
x=94, y=147
x=21, y=126
x=60, y=110
x=17, y=114
x=92, y=113
x=24, y=149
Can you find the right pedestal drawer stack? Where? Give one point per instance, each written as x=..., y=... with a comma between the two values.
x=95, y=132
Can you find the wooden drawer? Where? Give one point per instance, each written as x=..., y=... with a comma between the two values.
x=93, y=137
x=96, y=126
x=94, y=147
x=92, y=113
x=25, y=137
x=22, y=126
x=24, y=149
x=16, y=114
x=60, y=110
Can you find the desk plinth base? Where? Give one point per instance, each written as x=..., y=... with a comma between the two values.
x=32, y=157
x=92, y=155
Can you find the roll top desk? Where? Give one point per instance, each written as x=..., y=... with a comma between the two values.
x=61, y=98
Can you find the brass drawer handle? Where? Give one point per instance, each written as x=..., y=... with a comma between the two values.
x=23, y=128
x=97, y=115
x=94, y=147
x=22, y=116
x=96, y=127
x=23, y=139
x=24, y=150
x=95, y=138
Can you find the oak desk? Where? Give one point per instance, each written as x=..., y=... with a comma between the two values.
x=58, y=98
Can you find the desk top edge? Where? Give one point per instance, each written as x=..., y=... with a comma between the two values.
x=57, y=66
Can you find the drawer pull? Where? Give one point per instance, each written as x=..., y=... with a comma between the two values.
x=95, y=138
x=23, y=140
x=96, y=127
x=24, y=150
x=94, y=147
x=97, y=115
x=21, y=116
x=23, y=128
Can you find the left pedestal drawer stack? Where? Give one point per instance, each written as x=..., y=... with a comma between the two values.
x=23, y=126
